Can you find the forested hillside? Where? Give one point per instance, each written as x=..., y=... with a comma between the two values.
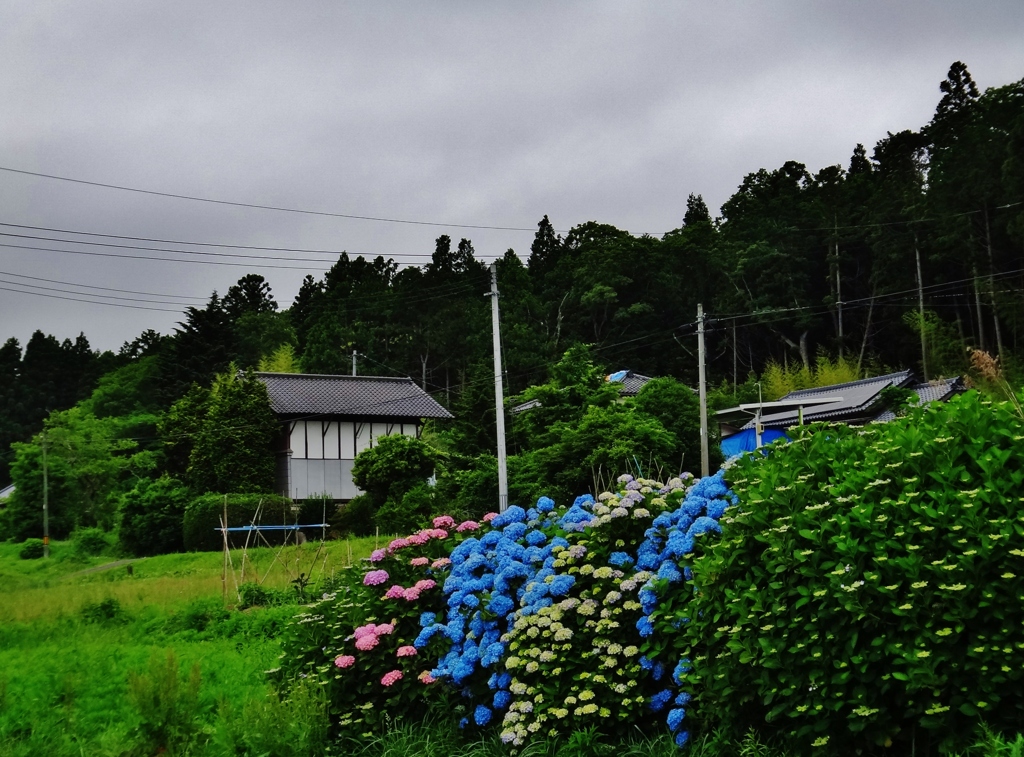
x=904, y=257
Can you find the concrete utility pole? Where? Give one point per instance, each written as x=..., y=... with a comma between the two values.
x=705, y=465
x=499, y=395
x=353, y=362
x=46, y=501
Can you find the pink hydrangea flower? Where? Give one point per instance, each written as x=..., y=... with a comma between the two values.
x=385, y=629
x=411, y=594
x=425, y=584
x=344, y=661
x=441, y=562
x=418, y=539
x=489, y=517
x=392, y=677
x=419, y=562
x=406, y=651
x=368, y=630
x=394, y=592
x=377, y=555
x=425, y=677
x=398, y=544
x=366, y=643
x=444, y=521
x=375, y=578
x=467, y=525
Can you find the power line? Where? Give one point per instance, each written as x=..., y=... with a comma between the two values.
x=91, y=302
x=87, y=294
x=200, y=244
x=257, y=206
x=106, y=289
x=94, y=253
x=114, y=245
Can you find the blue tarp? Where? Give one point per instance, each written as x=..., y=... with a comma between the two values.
x=746, y=441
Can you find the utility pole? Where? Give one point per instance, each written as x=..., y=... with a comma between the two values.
x=920, y=304
x=353, y=362
x=499, y=395
x=46, y=501
x=705, y=466
x=839, y=287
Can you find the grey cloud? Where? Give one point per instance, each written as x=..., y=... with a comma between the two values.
x=459, y=112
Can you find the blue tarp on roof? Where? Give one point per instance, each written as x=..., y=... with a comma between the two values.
x=746, y=441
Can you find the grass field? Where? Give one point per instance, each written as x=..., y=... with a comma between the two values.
x=84, y=653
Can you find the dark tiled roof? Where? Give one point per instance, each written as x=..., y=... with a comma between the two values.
x=939, y=390
x=629, y=386
x=858, y=397
x=632, y=384
x=317, y=394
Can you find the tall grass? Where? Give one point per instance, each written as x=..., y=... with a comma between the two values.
x=57, y=587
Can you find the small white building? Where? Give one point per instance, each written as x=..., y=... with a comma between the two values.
x=327, y=420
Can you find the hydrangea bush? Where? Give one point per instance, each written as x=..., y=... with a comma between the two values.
x=869, y=591
x=358, y=641
x=544, y=619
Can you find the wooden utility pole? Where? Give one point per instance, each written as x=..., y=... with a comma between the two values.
x=920, y=305
x=705, y=466
x=499, y=394
x=839, y=288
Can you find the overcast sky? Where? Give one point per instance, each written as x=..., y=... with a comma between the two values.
x=472, y=113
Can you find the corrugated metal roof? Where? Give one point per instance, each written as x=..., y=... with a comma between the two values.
x=858, y=396
x=368, y=396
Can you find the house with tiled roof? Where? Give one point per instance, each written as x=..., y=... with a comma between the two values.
x=629, y=384
x=854, y=402
x=327, y=420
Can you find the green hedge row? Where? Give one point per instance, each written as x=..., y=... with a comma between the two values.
x=203, y=517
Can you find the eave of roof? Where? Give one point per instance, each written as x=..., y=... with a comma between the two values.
x=297, y=394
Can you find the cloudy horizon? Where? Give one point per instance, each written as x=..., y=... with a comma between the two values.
x=445, y=114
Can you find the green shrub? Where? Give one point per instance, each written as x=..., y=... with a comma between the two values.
x=151, y=517
x=869, y=587
x=356, y=517
x=31, y=549
x=254, y=595
x=202, y=519
x=198, y=616
x=106, y=611
x=167, y=706
x=400, y=515
x=89, y=542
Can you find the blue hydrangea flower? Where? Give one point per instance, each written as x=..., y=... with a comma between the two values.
x=675, y=718
x=482, y=715
x=660, y=700
x=619, y=559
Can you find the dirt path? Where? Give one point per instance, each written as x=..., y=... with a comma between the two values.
x=100, y=568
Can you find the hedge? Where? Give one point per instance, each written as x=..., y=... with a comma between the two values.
x=203, y=515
